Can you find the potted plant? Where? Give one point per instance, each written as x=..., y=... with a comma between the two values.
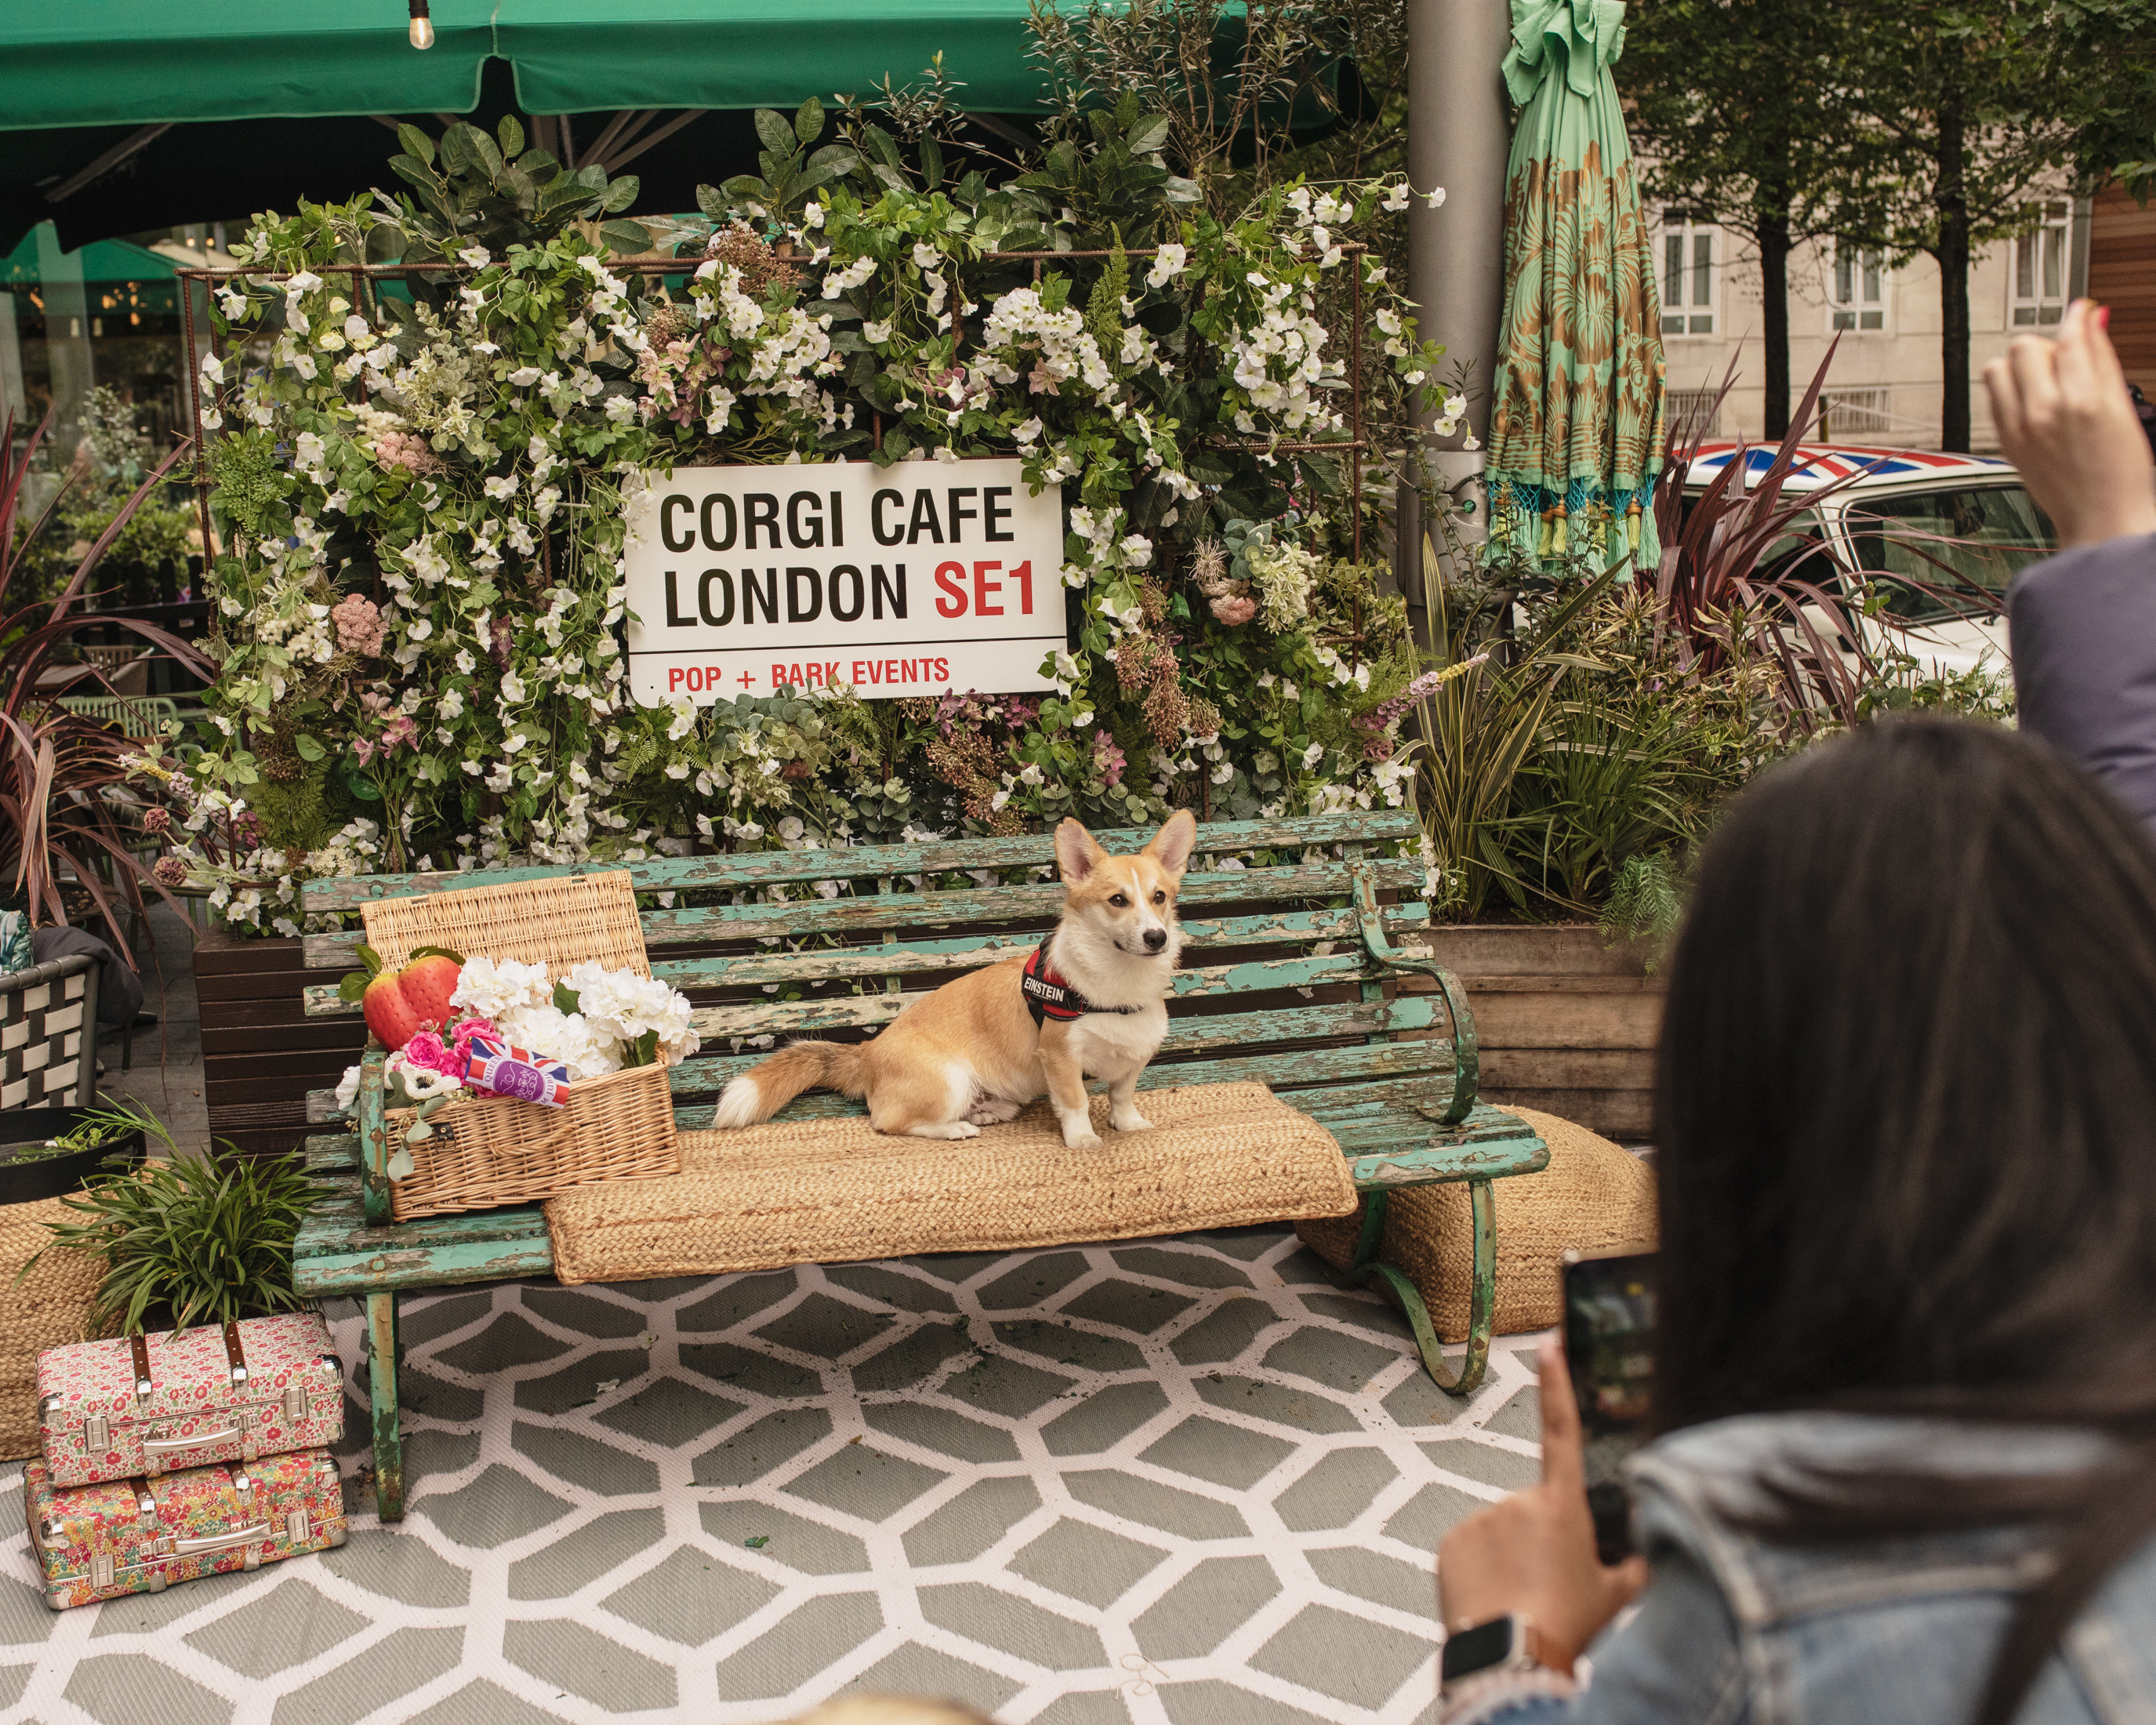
x=189, y=1238
x=48, y=1152
x=57, y=767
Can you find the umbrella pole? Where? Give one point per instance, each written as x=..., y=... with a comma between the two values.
x=1460, y=127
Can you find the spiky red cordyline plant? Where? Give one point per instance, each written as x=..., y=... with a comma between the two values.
x=1715, y=606
x=56, y=765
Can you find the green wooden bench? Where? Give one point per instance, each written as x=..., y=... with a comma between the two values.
x=1291, y=975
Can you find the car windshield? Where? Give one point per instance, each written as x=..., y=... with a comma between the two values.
x=1953, y=550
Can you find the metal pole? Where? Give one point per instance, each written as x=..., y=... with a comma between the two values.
x=1460, y=124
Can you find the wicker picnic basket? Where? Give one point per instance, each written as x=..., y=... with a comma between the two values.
x=488, y=1151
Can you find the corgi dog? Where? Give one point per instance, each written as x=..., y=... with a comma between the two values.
x=1092, y=1000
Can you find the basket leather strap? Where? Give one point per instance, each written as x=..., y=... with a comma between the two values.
x=235, y=1355
x=140, y=1345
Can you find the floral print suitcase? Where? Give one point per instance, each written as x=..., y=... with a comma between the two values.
x=140, y=1536
x=158, y=1403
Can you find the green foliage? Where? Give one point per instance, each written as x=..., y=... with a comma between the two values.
x=788, y=175
x=208, y=1240
x=1645, y=903
x=251, y=482
x=479, y=190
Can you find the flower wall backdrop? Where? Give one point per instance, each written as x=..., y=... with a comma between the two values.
x=419, y=491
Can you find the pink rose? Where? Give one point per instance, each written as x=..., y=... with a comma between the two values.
x=427, y=1049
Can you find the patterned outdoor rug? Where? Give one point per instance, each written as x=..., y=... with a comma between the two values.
x=1183, y=1482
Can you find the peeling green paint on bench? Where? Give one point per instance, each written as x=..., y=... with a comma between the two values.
x=1303, y=951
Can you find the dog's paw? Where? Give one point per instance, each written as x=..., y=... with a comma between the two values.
x=1085, y=1138
x=1129, y=1120
x=993, y=1111
x=944, y=1129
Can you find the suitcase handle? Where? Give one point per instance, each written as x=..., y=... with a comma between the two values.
x=160, y=1445
x=221, y=1542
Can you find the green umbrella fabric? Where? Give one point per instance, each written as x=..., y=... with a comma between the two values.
x=1576, y=417
x=141, y=62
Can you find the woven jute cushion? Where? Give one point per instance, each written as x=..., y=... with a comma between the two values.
x=832, y=1191
x=48, y=1308
x=1595, y=1196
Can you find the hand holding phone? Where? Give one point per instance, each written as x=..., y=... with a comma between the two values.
x=1533, y=1554
x=1609, y=1350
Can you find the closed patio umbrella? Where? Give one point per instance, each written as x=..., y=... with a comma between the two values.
x=1577, y=410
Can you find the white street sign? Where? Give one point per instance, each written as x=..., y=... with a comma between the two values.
x=917, y=578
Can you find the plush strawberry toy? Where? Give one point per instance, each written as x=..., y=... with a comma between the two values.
x=399, y=1005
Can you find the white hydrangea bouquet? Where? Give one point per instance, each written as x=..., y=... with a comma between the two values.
x=593, y=1020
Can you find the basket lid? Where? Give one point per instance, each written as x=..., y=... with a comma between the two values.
x=565, y=920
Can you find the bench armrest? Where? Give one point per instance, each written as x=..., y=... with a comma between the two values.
x=1466, y=1061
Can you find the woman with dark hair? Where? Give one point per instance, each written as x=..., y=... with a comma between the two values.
x=1906, y=1370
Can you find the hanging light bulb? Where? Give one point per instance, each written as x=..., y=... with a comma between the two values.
x=423, y=26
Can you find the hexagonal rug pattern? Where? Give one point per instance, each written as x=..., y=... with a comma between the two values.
x=1179, y=1482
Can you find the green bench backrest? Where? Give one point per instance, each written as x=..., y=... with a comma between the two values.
x=1276, y=981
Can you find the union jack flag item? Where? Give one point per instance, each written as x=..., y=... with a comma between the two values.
x=516, y=1073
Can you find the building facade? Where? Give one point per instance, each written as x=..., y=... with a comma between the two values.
x=1885, y=384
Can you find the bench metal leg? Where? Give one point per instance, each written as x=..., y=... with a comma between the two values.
x=1481, y=1299
x=382, y=1361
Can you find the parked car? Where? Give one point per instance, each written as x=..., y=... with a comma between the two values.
x=1922, y=526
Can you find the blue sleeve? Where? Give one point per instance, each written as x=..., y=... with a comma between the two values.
x=1675, y=1661
x=2082, y=626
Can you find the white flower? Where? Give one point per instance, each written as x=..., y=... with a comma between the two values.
x=213, y=368
x=1312, y=755
x=1168, y=264
x=924, y=255
x=308, y=449
x=491, y=989
x=524, y=377
x=1397, y=198
x=1435, y=198
x=356, y=328
x=478, y=256
x=348, y=1090
x=878, y=333
x=502, y=489
x=812, y=214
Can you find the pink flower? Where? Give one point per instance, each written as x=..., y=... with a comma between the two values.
x=427, y=1049
x=359, y=624
x=1231, y=610
x=1109, y=759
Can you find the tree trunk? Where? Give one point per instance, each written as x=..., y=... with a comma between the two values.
x=1952, y=254
x=1772, y=236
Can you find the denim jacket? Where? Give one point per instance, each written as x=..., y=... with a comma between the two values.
x=1735, y=1630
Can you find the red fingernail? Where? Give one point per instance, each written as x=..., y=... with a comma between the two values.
x=2103, y=317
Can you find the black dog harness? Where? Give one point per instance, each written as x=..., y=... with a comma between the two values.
x=1048, y=996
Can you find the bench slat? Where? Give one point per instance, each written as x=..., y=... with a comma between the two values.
x=873, y=913
x=1307, y=1023
x=1487, y=1145
x=666, y=874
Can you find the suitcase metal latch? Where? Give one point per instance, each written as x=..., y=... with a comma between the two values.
x=295, y=1402
x=96, y=1434
x=297, y=1527
x=101, y=1569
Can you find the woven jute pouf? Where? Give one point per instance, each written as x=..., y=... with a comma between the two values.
x=832, y=1191
x=49, y=1307
x=1595, y=1196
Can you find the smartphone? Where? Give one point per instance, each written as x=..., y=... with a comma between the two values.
x=1609, y=1350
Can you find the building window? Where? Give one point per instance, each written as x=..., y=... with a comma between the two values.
x=2040, y=269
x=1689, y=278
x=1859, y=289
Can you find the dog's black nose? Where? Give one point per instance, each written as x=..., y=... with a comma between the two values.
x=1155, y=939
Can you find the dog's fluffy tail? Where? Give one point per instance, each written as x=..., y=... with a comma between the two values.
x=764, y=1089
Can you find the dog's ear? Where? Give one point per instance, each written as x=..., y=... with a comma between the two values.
x=1076, y=854
x=1171, y=844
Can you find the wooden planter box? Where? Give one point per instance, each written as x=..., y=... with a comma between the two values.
x=261, y=1054
x=1567, y=1022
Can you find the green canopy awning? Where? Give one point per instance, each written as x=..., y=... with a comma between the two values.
x=153, y=62
x=117, y=260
